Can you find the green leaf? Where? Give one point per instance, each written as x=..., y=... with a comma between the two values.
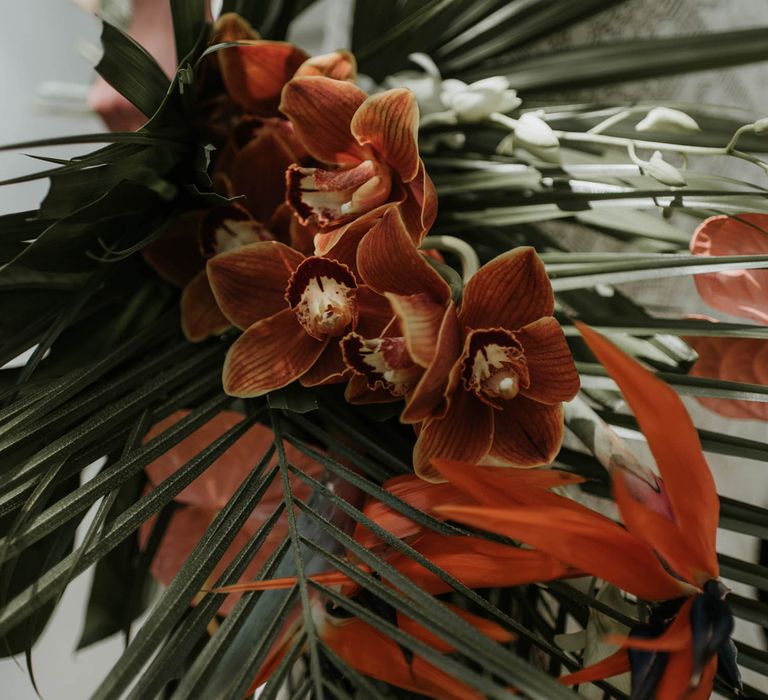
x=128, y=68
x=188, y=23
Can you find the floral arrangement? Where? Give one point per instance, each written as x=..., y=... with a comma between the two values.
x=356, y=365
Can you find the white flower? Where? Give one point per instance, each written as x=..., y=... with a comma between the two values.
x=453, y=101
x=669, y=120
x=659, y=169
x=532, y=130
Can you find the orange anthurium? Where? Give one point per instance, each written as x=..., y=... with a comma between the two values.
x=657, y=557
x=294, y=311
x=413, y=355
x=736, y=360
x=369, y=160
x=738, y=292
x=506, y=389
x=210, y=492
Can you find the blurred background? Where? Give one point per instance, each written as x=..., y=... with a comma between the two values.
x=47, y=50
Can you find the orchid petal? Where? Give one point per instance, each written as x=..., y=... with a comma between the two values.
x=465, y=433
x=329, y=368
x=527, y=433
x=552, y=372
x=388, y=262
x=339, y=65
x=254, y=73
x=271, y=354
x=510, y=291
x=249, y=283
x=200, y=314
x=389, y=123
x=175, y=255
x=321, y=110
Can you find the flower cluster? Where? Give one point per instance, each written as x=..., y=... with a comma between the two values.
x=316, y=260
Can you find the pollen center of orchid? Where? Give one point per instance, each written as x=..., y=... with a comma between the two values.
x=326, y=307
x=494, y=366
x=384, y=362
x=323, y=295
x=325, y=197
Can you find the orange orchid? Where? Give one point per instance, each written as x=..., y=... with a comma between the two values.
x=657, y=557
x=209, y=493
x=414, y=353
x=739, y=292
x=294, y=311
x=368, y=160
x=506, y=389
x=736, y=360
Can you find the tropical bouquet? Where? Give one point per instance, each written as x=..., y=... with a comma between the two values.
x=340, y=353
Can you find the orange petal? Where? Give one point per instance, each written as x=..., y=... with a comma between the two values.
x=330, y=578
x=738, y=292
x=665, y=536
x=200, y=314
x=418, y=493
x=389, y=122
x=675, y=445
x=419, y=208
x=249, y=283
x=321, y=110
x=271, y=354
x=358, y=392
x=613, y=665
x=375, y=312
x=329, y=368
x=175, y=255
x=478, y=563
x=374, y=654
x=388, y=261
x=482, y=624
x=510, y=291
x=465, y=433
x=587, y=541
x=232, y=27
x=420, y=319
x=494, y=479
x=258, y=170
x=339, y=65
x=527, y=433
x=255, y=74
x=732, y=359
x=552, y=372
x=428, y=398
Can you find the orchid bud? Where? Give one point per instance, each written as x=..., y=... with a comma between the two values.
x=477, y=101
x=669, y=120
x=532, y=130
x=665, y=173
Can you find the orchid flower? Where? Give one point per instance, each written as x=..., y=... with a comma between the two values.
x=368, y=160
x=669, y=559
x=739, y=292
x=414, y=353
x=506, y=389
x=294, y=311
x=210, y=492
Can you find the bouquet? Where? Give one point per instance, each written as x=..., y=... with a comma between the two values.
x=341, y=353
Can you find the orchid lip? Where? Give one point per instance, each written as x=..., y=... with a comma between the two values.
x=494, y=366
x=326, y=197
x=384, y=362
x=322, y=294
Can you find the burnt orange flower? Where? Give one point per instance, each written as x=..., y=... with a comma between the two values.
x=247, y=79
x=735, y=360
x=506, y=388
x=738, y=292
x=294, y=311
x=658, y=558
x=413, y=355
x=209, y=493
x=368, y=159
